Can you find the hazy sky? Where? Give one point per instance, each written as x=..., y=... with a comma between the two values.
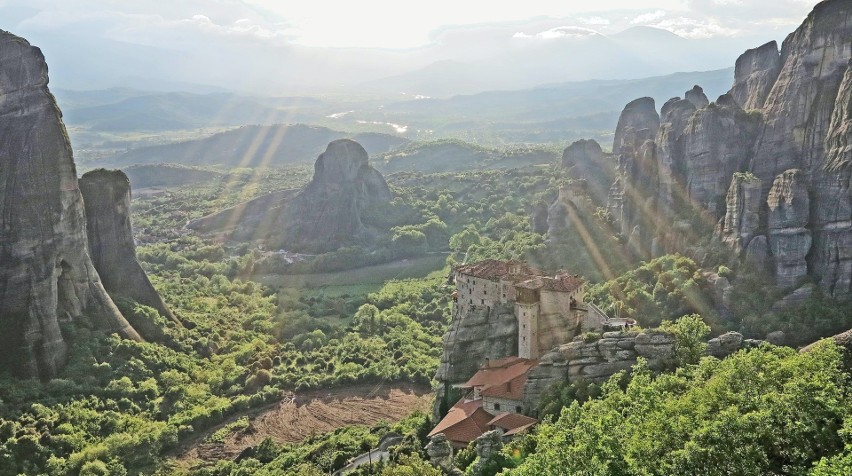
x=391, y=36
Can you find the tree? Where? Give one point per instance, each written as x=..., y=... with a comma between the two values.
x=690, y=333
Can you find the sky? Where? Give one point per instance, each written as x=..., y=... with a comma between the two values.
x=361, y=39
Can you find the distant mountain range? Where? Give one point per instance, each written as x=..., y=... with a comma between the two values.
x=251, y=146
x=123, y=110
x=578, y=55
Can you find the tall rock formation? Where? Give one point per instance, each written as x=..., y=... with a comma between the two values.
x=716, y=143
x=587, y=162
x=637, y=123
x=755, y=73
x=106, y=195
x=798, y=116
x=331, y=206
x=742, y=214
x=789, y=239
x=790, y=110
x=46, y=275
x=329, y=212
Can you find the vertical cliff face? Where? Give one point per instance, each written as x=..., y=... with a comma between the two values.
x=742, y=212
x=787, y=111
x=789, y=239
x=798, y=116
x=46, y=275
x=106, y=195
x=716, y=143
x=754, y=75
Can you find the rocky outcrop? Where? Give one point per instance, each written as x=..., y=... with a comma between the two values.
x=716, y=142
x=538, y=218
x=587, y=162
x=106, y=195
x=637, y=123
x=440, y=454
x=563, y=213
x=798, y=115
x=487, y=446
x=482, y=333
x=46, y=276
x=789, y=239
x=742, y=212
x=600, y=359
x=674, y=186
x=755, y=73
x=674, y=115
x=581, y=154
x=326, y=214
x=697, y=97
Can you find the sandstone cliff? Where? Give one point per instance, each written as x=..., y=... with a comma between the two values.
x=46, y=276
x=682, y=174
x=326, y=214
x=754, y=74
x=106, y=195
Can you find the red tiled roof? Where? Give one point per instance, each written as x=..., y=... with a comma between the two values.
x=522, y=429
x=561, y=282
x=465, y=422
x=494, y=268
x=511, y=390
x=511, y=421
x=500, y=372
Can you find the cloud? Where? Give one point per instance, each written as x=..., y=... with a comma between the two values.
x=559, y=32
x=695, y=29
x=596, y=20
x=648, y=17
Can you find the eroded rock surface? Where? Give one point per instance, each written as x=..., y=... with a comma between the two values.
x=789, y=239
x=755, y=73
x=106, y=195
x=46, y=275
x=326, y=214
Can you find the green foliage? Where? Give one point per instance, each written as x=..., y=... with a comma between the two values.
x=690, y=333
x=661, y=289
x=563, y=394
x=765, y=411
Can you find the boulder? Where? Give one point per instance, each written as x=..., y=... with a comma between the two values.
x=724, y=345
x=776, y=338
x=440, y=453
x=793, y=299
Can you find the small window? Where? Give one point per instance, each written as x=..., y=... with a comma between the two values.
x=485, y=292
x=471, y=301
x=483, y=302
x=525, y=338
x=497, y=407
x=518, y=409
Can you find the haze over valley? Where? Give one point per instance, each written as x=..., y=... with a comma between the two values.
x=377, y=238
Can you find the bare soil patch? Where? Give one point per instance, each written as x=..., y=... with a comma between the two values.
x=312, y=413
